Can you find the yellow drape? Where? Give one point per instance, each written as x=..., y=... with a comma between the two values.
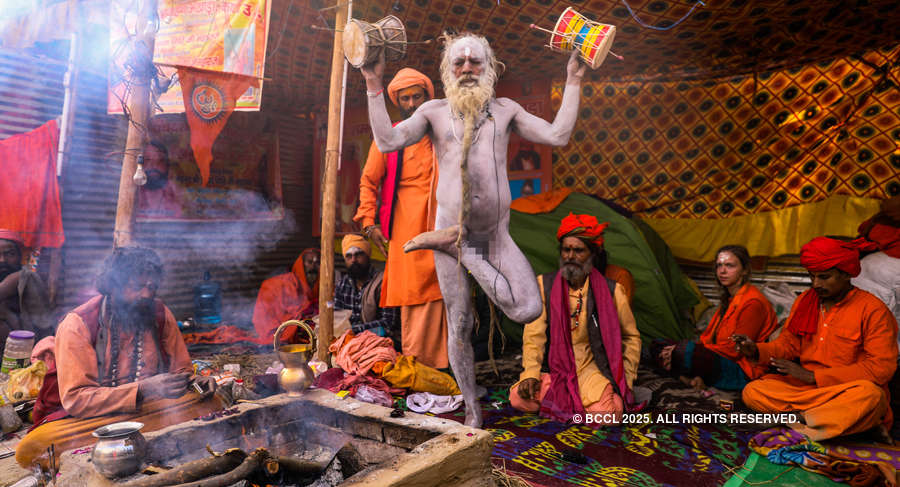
x=771, y=233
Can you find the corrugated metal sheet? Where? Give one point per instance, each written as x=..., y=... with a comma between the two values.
x=31, y=92
x=238, y=254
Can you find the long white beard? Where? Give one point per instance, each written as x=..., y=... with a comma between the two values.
x=469, y=100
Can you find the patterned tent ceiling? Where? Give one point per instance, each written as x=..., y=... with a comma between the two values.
x=720, y=38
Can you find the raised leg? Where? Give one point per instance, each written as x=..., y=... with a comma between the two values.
x=457, y=299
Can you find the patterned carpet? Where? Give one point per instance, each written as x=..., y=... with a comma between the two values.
x=656, y=453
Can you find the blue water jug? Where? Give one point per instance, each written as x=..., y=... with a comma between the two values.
x=208, y=301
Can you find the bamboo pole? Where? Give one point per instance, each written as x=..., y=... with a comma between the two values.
x=139, y=112
x=325, y=330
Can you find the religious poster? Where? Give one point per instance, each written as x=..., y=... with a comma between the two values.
x=529, y=164
x=227, y=36
x=244, y=181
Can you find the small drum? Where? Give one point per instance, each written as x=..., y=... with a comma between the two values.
x=592, y=39
x=363, y=42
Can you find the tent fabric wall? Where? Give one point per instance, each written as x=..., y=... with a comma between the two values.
x=659, y=301
x=770, y=233
x=742, y=145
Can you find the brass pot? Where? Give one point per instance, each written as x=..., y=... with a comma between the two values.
x=120, y=449
x=296, y=376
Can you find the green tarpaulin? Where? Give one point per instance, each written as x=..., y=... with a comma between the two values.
x=662, y=293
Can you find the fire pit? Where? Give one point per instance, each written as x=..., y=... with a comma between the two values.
x=410, y=450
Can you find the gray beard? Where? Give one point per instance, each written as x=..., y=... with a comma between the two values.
x=573, y=272
x=469, y=101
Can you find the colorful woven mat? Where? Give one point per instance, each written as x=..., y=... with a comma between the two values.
x=547, y=453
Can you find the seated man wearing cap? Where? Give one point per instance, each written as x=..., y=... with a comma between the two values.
x=24, y=301
x=586, y=336
x=360, y=290
x=835, y=355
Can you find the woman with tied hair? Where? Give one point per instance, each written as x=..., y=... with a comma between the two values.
x=711, y=360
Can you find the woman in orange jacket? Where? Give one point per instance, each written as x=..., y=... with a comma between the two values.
x=711, y=360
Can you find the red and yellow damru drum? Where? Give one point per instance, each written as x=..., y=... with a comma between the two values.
x=575, y=31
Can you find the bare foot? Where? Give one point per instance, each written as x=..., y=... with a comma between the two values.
x=443, y=240
x=473, y=415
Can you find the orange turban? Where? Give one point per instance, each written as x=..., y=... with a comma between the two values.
x=405, y=78
x=585, y=227
x=353, y=240
x=823, y=253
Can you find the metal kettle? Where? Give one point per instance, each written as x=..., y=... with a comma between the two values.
x=296, y=376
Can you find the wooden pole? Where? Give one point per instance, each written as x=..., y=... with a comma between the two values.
x=139, y=115
x=329, y=190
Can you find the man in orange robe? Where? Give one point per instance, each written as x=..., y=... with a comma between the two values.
x=289, y=296
x=119, y=357
x=845, y=340
x=406, y=180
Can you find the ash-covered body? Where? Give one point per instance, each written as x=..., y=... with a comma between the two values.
x=470, y=131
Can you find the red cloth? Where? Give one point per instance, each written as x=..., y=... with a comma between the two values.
x=29, y=193
x=563, y=398
x=209, y=99
x=585, y=227
x=823, y=253
x=48, y=401
x=818, y=255
x=884, y=233
x=285, y=297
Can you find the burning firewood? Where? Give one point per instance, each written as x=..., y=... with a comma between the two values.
x=192, y=471
x=228, y=468
x=251, y=463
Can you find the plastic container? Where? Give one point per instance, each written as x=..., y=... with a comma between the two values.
x=208, y=301
x=17, y=354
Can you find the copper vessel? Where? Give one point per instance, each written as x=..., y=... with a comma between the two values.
x=296, y=376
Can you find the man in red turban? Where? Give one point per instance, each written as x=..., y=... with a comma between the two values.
x=405, y=181
x=835, y=355
x=592, y=350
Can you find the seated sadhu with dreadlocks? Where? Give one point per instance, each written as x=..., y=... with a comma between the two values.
x=836, y=353
x=470, y=131
x=586, y=338
x=119, y=357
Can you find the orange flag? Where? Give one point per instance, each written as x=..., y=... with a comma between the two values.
x=209, y=99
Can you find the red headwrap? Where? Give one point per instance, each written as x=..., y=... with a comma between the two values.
x=405, y=78
x=823, y=253
x=585, y=227
x=818, y=255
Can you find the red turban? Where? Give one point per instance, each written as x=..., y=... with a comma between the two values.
x=406, y=78
x=818, y=255
x=823, y=253
x=585, y=227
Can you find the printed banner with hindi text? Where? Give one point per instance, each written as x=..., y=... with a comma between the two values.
x=228, y=36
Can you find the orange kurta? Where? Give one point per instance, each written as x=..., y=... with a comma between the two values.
x=76, y=363
x=749, y=313
x=853, y=354
x=93, y=405
x=409, y=278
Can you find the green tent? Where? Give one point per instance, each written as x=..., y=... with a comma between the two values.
x=662, y=292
